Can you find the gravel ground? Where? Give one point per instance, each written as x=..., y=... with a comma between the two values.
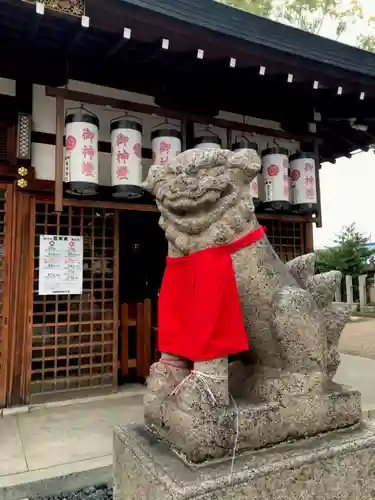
x=358, y=339
x=92, y=493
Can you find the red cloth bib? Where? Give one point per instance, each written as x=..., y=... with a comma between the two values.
x=200, y=315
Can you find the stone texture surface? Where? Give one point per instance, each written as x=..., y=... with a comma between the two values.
x=338, y=465
x=260, y=425
x=292, y=325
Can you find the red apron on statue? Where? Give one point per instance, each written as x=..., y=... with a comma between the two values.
x=200, y=315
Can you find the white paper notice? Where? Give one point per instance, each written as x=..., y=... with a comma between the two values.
x=60, y=265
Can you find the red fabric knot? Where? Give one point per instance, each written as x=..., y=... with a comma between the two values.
x=200, y=316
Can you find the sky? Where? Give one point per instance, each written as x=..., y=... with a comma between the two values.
x=347, y=193
x=348, y=187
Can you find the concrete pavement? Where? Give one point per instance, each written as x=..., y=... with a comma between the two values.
x=358, y=338
x=359, y=373
x=68, y=445
x=53, y=448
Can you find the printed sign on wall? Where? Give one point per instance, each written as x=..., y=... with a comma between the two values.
x=60, y=265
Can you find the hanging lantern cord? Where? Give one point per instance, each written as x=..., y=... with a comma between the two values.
x=126, y=116
x=165, y=122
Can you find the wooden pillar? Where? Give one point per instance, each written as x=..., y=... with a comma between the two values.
x=229, y=138
x=24, y=105
x=319, y=221
x=21, y=276
x=124, y=356
x=6, y=303
x=190, y=134
x=183, y=135
x=59, y=154
x=309, y=238
x=21, y=286
x=24, y=96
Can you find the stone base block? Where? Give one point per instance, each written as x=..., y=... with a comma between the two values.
x=204, y=436
x=337, y=465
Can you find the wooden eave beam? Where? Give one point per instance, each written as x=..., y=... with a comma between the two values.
x=370, y=136
x=79, y=34
x=340, y=138
x=115, y=49
x=152, y=52
x=34, y=28
x=150, y=109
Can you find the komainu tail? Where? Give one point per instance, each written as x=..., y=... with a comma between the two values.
x=322, y=287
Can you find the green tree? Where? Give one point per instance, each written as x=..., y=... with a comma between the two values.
x=310, y=15
x=260, y=7
x=367, y=41
x=349, y=254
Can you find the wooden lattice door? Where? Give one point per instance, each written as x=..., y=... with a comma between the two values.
x=74, y=338
x=287, y=238
x=5, y=254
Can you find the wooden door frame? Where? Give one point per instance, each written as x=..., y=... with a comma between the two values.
x=6, y=360
x=19, y=284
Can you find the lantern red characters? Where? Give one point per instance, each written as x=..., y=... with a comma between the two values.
x=166, y=144
x=276, y=177
x=126, y=164
x=244, y=143
x=81, y=175
x=303, y=173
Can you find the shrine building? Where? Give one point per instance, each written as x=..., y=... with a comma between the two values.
x=91, y=94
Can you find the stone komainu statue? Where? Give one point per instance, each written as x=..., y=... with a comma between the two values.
x=207, y=407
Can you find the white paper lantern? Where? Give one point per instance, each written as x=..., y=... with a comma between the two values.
x=275, y=172
x=208, y=142
x=304, y=188
x=166, y=145
x=126, y=160
x=81, y=153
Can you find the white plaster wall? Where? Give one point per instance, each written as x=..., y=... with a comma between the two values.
x=7, y=87
x=44, y=120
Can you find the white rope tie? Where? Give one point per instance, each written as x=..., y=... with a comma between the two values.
x=202, y=377
x=235, y=445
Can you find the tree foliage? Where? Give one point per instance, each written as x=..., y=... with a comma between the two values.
x=349, y=254
x=260, y=7
x=367, y=41
x=311, y=15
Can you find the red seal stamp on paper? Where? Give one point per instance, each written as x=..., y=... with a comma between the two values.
x=70, y=143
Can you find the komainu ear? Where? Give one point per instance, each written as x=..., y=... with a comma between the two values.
x=246, y=162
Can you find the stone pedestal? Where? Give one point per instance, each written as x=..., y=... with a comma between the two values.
x=211, y=434
x=337, y=465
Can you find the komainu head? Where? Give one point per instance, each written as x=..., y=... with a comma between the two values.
x=204, y=192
